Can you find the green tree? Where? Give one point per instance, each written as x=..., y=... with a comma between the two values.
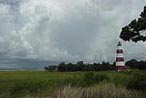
x=133, y=29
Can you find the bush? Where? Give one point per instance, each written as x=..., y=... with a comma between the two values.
x=90, y=78
x=101, y=77
x=138, y=81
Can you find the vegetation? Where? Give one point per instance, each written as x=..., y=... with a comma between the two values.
x=136, y=29
x=41, y=84
x=136, y=64
x=104, y=66
x=103, y=90
x=138, y=81
x=81, y=66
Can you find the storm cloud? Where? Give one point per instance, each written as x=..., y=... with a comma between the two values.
x=67, y=30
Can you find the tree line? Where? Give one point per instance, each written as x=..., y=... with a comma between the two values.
x=104, y=66
x=81, y=66
x=136, y=64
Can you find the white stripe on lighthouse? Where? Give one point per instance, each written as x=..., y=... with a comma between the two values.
x=120, y=48
x=121, y=55
x=120, y=63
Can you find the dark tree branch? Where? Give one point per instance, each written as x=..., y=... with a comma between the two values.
x=132, y=30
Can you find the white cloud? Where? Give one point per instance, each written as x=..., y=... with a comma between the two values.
x=68, y=29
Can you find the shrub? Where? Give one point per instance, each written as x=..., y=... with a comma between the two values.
x=138, y=81
x=90, y=78
x=101, y=77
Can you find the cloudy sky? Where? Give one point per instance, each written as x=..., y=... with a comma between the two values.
x=67, y=30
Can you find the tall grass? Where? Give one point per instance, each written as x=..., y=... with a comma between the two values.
x=69, y=85
x=104, y=90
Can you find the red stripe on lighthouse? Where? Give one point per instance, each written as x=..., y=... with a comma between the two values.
x=119, y=51
x=121, y=67
x=119, y=59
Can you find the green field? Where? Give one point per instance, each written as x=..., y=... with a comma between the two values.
x=42, y=84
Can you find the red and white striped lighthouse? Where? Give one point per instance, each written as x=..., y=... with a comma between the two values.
x=120, y=64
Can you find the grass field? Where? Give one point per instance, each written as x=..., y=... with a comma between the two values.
x=42, y=84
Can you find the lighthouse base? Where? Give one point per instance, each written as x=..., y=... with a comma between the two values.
x=121, y=68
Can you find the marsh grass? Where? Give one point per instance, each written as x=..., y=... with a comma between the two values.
x=67, y=85
x=103, y=90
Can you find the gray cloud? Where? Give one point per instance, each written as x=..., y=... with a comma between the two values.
x=67, y=29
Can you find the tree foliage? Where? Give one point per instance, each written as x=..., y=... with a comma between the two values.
x=136, y=64
x=133, y=29
x=81, y=66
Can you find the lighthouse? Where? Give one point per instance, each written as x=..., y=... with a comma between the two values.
x=120, y=64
